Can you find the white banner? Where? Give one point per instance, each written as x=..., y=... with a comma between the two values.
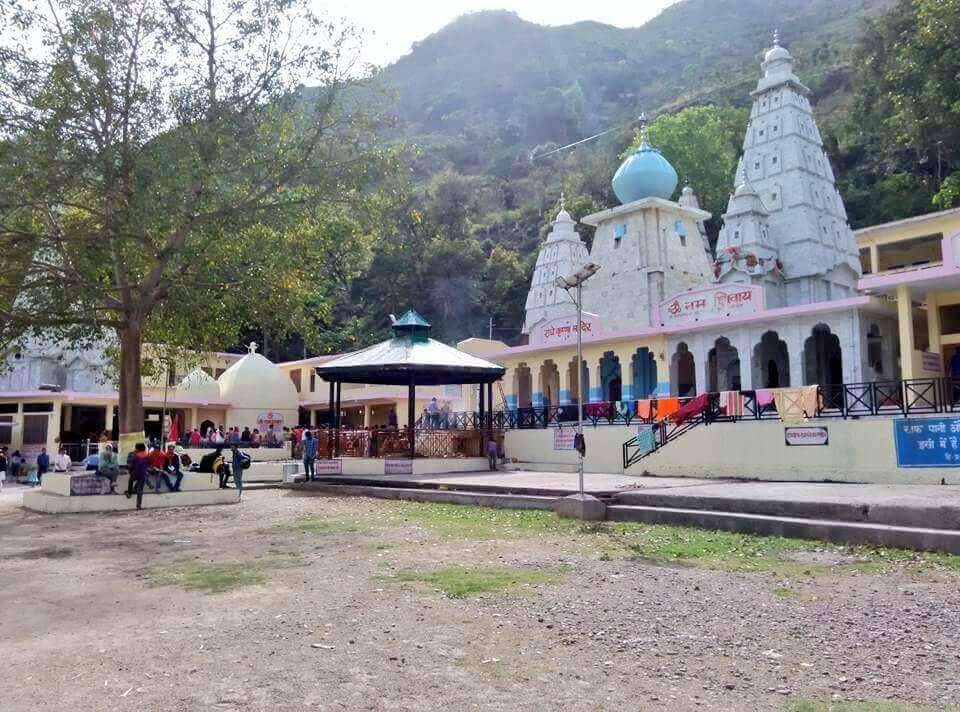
x=563, y=330
x=394, y=466
x=712, y=303
x=806, y=436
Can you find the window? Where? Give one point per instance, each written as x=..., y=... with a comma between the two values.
x=38, y=407
x=773, y=196
x=313, y=380
x=915, y=252
x=774, y=160
x=761, y=132
x=9, y=407
x=619, y=230
x=756, y=165
x=6, y=429
x=295, y=377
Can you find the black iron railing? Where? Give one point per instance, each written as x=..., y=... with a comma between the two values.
x=918, y=396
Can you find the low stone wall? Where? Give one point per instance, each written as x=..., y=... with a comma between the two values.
x=858, y=451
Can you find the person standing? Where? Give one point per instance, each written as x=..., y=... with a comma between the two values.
x=241, y=461
x=309, y=454
x=43, y=464
x=138, y=466
x=63, y=461
x=195, y=438
x=16, y=462
x=392, y=419
x=492, y=452
x=3, y=467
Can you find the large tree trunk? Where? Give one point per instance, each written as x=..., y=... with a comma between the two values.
x=131, y=389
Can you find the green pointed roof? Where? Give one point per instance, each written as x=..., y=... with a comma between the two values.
x=411, y=319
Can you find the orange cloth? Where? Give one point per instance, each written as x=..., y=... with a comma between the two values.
x=667, y=407
x=643, y=409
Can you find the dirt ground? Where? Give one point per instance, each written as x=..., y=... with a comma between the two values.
x=88, y=620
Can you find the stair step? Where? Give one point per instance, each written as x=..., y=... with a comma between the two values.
x=540, y=467
x=894, y=514
x=843, y=532
x=484, y=499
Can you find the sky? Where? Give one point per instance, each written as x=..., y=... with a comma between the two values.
x=392, y=26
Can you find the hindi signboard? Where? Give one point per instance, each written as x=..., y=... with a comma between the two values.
x=563, y=438
x=927, y=442
x=563, y=330
x=712, y=303
x=328, y=467
x=397, y=466
x=806, y=436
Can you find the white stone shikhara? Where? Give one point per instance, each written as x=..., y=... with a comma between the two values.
x=786, y=225
x=561, y=255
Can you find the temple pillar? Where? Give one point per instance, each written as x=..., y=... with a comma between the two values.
x=905, y=323
x=933, y=324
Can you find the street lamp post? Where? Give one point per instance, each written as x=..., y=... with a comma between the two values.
x=576, y=280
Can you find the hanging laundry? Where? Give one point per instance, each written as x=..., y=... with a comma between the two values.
x=667, y=407
x=643, y=409
x=811, y=400
x=732, y=403
x=691, y=409
x=790, y=404
x=764, y=396
x=646, y=438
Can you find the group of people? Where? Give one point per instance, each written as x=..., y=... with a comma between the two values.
x=436, y=415
x=217, y=435
x=14, y=466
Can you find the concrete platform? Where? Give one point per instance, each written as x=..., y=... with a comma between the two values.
x=50, y=503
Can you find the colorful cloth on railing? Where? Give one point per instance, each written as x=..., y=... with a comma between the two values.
x=691, y=409
x=646, y=438
x=731, y=402
x=667, y=407
x=597, y=410
x=624, y=409
x=764, y=397
x=644, y=409
x=795, y=405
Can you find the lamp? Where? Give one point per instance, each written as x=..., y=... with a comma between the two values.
x=575, y=281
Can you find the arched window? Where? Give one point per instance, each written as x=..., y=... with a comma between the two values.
x=550, y=382
x=573, y=381
x=771, y=362
x=611, y=379
x=523, y=386
x=723, y=367
x=822, y=359
x=683, y=377
x=644, y=368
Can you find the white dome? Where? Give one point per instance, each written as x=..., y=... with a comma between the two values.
x=199, y=384
x=776, y=52
x=563, y=216
x=256, y=383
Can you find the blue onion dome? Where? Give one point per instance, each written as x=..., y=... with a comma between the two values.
x=645, y=173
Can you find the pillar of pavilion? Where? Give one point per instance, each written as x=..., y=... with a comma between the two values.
x=411, y=358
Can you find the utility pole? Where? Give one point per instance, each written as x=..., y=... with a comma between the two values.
x=490, y=334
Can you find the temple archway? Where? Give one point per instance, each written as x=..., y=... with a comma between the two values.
x=550, y=382
x=723, y=366
x=644, y=368
x=822, y=358
x=683, y=375
x=771, y=362
x=611, y=378
x=574, y=381
x=523, y=386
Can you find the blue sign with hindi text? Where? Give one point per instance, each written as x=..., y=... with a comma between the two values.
x=927, y=442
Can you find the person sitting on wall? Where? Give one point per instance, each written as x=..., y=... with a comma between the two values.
x=245, y=435
x=108, y=467
x=171, y=468
x=15, y=465
x=91, y=462
x=138, y=465
x=255, y=438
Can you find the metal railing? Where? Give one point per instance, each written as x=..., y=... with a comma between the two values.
x=440, y=442
x=918, y=396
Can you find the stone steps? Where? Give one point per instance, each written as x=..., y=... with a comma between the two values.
x=841, y=532
x=483, y=499
x=540, y=467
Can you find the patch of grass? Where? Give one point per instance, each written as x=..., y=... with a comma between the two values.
x=458, y=521
x=324, y=526
x=784, y=592
x=802, y=705
x=217, y=577
x=465, y=582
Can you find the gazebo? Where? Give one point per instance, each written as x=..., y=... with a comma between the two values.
x=411, y=358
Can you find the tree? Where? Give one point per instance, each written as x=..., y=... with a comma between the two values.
x=703, y=143
x=162, y=176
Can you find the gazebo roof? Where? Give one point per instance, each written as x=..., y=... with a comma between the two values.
x=410, y=356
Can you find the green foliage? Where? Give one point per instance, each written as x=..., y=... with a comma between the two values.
x=211, y=578
x=467, y=522
x=324, y=526
x=466, y=582
x=805, y=705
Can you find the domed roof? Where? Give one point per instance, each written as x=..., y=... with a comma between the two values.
x=199, y=384
x=563, y=216
x=254, y=382
x=645, y=173
x=776, y=52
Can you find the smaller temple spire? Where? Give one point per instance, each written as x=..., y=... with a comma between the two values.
x=776, y=37
x=643, y=128
x=563, y=200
